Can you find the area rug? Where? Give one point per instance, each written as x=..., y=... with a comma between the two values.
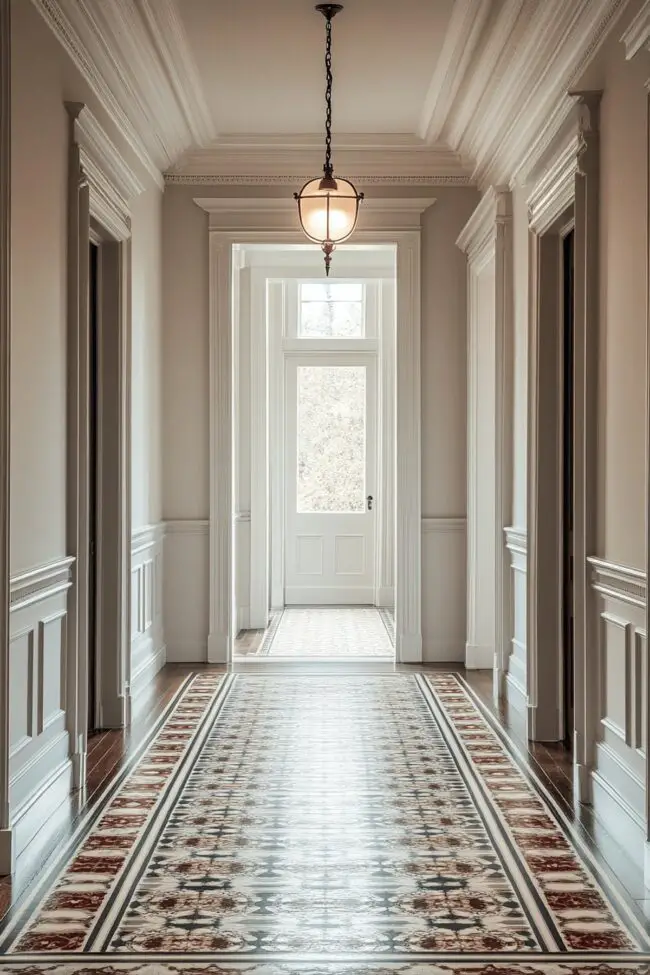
x=330, y=632
x=325, y=825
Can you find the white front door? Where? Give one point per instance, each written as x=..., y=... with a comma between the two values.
x=330, y=454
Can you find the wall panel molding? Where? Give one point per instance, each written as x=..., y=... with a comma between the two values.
x=39, y=710
x=443, y=524
x=40, y=583
x=185, y=588
x=148, y=651
x=619, y=708
x=619, y=582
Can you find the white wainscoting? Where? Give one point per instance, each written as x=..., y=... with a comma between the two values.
x=618, y=775
x=444, y=588
x=516, y=542
x=186, y=597
x=40, y=767
x=148, y=653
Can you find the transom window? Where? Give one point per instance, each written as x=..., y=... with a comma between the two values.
x=331, y=309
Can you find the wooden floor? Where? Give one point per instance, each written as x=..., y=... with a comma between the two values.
x=108, y=750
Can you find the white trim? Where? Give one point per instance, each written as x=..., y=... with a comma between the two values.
x=516, y=540
x=280, y=159
x=408, y=441
x=443, y=524
x=259, y=368
x=254, y=215
x=637, y=35
x=187, y=526
x=617, y=581
x=40, y=583
x=146, y=537
x=486, y=237
x=105, y=155
x=555, y=191
x=6, y=843
x=462, y=38
x=83, y=41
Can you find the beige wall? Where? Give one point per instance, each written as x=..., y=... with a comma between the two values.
x=622, y=393
x=43, y=78
x=146, y=430
x=38, y=312
x=444, y=353
x=185, y=356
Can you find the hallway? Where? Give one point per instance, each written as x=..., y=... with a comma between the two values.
x=325, y=823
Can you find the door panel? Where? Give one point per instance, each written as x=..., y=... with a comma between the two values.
x=330, y=473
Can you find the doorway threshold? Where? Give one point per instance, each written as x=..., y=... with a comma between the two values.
x=312, y=665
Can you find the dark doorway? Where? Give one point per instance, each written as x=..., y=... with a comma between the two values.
x=93, y=379
x=567, y=482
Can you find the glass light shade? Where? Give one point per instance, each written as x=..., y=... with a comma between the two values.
x=328, y=209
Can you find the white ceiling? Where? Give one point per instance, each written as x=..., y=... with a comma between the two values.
x=262, y=72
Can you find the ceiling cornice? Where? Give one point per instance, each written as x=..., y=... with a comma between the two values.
x=258, y=214
x=135, y=58
x=531, y=103
x=294, y=159
x=462, y=38
x=637, y=35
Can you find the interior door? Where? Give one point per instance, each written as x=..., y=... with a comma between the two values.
x=92, y=485
x=330, y=455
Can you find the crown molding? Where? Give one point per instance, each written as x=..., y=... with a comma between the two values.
x=535, y=59
x=232, y=214
x=287, y=159
x=503, y=34
x=637, y=35
x=461, y=41
x=135, y=58
x=174, y=51
x=361, y=179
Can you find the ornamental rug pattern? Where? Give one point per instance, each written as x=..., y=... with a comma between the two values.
x=325, y=825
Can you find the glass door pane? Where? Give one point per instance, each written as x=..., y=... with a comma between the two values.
x=331, y=454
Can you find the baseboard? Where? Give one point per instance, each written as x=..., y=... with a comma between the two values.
x=35, y=813
x=620, y=820
x=516, y=695
x=331, y=596
x=243, y=618
x=147, y=670
x=385, y=597
x=478, y=657
x=218, y=648
x=186, y=653
x=442, y=653
x=409, y=648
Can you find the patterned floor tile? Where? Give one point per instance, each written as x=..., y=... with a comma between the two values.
x=325, y=825
x=330, y=631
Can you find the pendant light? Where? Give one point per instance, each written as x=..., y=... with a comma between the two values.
x=328, y=206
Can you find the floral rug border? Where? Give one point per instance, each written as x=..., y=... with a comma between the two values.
x=515, y=791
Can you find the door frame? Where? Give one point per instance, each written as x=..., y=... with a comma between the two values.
x=101, y=184
x=273, y=220
x=382, y=345
x=570, y=181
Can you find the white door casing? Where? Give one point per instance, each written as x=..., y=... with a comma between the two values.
x=331, y=417
x=385, y=220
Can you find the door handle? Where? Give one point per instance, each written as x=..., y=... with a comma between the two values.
x=370, y=500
